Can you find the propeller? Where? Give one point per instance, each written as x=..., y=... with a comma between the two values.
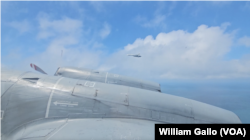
x=35, y=67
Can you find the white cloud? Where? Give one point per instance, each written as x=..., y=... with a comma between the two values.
x=105, y=31
x=181, y=55
x=64, y=26
x=63, y=34
x=244, y=41
x=97, y=45
x=78, y=56
x=157, y=21
x=174, y=55
x=21, y=26
x=225, y=25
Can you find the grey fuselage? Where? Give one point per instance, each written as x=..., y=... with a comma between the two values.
x=37, y=106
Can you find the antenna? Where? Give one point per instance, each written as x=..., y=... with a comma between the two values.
x=61, y=58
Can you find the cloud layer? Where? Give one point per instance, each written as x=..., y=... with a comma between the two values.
x=64, y=45
x=62, y=27
x=245, y=41
x=181, y=55
x=174, y=55
x=105, y=31
x=21, y=26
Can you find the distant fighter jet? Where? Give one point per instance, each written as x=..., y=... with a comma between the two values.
x=135, y=55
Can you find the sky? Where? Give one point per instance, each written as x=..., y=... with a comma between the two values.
x=198, y=50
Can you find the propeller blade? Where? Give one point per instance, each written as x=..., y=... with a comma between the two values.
x=35, y=67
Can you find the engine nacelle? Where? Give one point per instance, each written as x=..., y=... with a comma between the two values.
x=106, y=77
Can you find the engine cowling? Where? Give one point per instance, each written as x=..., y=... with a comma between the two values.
x=106, y=77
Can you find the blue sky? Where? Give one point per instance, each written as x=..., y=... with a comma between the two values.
x=95, y=33
x=188, y=47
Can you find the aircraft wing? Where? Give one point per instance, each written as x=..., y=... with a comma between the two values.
x=106, y=77
x=38, y=106
x=78, y=129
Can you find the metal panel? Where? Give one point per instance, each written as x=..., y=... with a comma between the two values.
x=47, y=82
x=139, y=112
x=102, y=92
x=73, y=73
x=165, y=102
x=85, y=89
x=118, y=129
x=26, y=103
x=112, y=93
x=66, y=85
x=77, y=129
x=39, y=129
x=208, y=113
x=112, y=79
x=39, y=133
x=129, y=82
x=1, y=114
x=5, y=85
x=155, y=115
x=97, y=76
x=64, y=105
